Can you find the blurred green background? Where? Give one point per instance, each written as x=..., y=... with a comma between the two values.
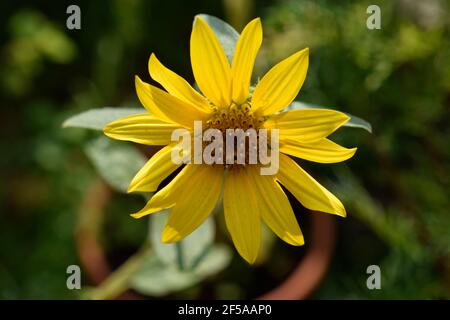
x=396, y=188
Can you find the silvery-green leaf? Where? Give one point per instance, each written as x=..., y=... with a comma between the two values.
x=98, y=118
x=354, y=121
x=186, y=254
x=155, y=278
x=116, y=162
x=226, y=34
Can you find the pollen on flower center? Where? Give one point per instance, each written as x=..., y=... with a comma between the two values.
x=235, y=117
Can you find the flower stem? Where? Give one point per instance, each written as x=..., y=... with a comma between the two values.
x=119, y=281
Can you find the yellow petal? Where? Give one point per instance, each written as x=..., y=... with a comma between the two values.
x=275, y=209
x=195, y=203
x=176, y=85
x=307, y=124
x=211, y=69
x=279, y=87
x=141, y=128
x=167, y=196
x=158, y=168
x=308, y=191
x=241, y=214
x=323, y=150
x=244, y=58
x=167, y=107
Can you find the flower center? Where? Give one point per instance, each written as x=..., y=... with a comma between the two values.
x=235, y=116
x=238, y=126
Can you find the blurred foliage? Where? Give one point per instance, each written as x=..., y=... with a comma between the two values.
x=395, y=189
x=116, y=163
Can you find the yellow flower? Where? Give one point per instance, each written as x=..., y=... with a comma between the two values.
x=248, y=196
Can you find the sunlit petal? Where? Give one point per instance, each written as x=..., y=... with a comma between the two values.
x=244, y=58
x=196, y=203
x=211, y=69
x=176, y=85
x=307, y=124
x=167, y=107
x=141, y=128
x=275, y=209
x=241, y=214
x=306, y=189
x=158, y=168
x=281, y=84
x=322, y=151
x=168, y=196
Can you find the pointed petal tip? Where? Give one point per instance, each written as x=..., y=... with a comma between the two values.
x=346, y=117
x=256, y=23
x=137, y=80
x=248, y=254
x=306, y=53
x=342, y=213
x=339, y=211
x=152, y=60
x=199, y=19
x=145, y=212
x=257, y=20
x=136, y=185
x=294, y=240
x=131, y=188
x=139, y=187
x=303, y=55
x=136, y=215
x=303, y=52
x=106, y=129
x=109, y=129
x=249, y=259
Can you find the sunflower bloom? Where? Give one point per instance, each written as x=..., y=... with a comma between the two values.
x=226, y=102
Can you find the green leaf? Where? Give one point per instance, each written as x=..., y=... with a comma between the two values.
x=186, y=254
x=226, y=34
x=354, y=122
x=97, y=119
x=116, y=162
x=155, y=278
